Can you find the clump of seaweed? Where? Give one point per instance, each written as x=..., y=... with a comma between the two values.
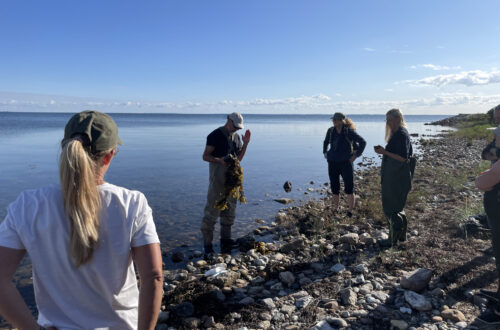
x=233, y=187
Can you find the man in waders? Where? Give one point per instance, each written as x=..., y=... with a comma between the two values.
x=221, y=143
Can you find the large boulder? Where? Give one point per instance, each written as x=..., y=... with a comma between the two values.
x=284, y=200
x=287, y=186
x=416, y=280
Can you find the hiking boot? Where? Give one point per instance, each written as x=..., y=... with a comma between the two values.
x=227, y=244
x=385, y=242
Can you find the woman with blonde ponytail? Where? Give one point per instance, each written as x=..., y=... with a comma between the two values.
x=82, y=236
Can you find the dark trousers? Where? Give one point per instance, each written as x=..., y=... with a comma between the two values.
x=344, y=169
x=492, y=208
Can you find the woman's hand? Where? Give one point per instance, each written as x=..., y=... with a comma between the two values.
x=379, y=150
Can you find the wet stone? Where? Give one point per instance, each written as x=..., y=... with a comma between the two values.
x=399, y=324
x=184, y=309
x=303, y=302
x=337, y=322
x=287, y=309
x=453, y=315
x=269, y=303
x=177, y=256
x=265, y=316
x=337, y=268
x=192, y=323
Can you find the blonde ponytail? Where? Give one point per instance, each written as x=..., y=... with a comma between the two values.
x=349, y=123
x=82, y=202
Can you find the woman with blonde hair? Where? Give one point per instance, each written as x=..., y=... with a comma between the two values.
x=396, y=173
x=82, y=236
x=339, y=151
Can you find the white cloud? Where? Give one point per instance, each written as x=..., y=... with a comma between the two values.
x=368, y=49
x=436, y=67
x=467, y=78
x=320, y=103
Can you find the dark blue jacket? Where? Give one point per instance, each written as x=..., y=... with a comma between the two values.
x=340, y=146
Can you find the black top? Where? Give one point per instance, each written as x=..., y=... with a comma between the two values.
x=400, y=143
x=488, y=148
x=341, y=144
x=224, y=143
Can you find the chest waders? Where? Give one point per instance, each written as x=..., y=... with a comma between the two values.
x=217, y=178
x=396, y=184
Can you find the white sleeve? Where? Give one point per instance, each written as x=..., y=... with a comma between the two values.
x=144, y=229
x=8, y=234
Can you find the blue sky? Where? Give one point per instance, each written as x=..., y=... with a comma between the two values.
x=425, y=57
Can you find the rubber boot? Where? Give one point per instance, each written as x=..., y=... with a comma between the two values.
x=209, y=249
x=403, y=235
x=226, y=245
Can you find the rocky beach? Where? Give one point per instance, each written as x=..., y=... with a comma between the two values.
x=315, y=269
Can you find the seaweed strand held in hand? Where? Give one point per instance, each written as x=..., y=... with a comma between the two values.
x=233, y=187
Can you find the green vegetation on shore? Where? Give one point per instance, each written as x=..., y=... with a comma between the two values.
x=476, y=127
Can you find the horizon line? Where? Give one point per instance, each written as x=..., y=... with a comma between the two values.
x=246, y=114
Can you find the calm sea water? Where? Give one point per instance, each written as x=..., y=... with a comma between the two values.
x=161, y=157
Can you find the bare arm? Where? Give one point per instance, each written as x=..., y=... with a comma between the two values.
x=489, y=178
x=149, y=264
x=246, y=140
x=12, y=306
x=207, y=156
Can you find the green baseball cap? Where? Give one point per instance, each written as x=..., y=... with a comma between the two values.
x=98, y=127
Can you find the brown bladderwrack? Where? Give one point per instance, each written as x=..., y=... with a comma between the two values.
x=233, y=187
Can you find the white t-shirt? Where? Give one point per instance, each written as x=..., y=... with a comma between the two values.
x=101, y=294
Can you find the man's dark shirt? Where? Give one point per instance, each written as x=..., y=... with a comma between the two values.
x=340, y=147
x=400, y=143
x=223, y=143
